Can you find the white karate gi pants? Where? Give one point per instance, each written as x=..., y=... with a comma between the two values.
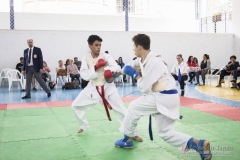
x=146, y=105
x=89, y=97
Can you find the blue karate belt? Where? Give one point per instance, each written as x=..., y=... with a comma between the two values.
x=172, y=91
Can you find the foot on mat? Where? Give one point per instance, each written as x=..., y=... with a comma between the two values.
x=202, y=147
x=123, y=143
x=137, y=138
x=80, y=130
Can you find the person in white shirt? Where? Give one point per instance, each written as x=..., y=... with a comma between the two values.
x=98, y=88
x=61, y=73
x=180, y=72
x=160, y=100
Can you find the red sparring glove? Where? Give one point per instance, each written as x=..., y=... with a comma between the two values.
x=109, y=76
x=100, y=63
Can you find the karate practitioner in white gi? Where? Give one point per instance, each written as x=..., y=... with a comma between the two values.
x=160, y=100
x=98, y=89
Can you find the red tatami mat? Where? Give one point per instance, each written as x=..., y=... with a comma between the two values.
x=39, y=104
x=47, y=104
x=216, y=109
x=3, y=106
x=213, y=108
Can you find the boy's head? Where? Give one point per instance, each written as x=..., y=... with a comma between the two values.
x=141, y=43
x=94, y=43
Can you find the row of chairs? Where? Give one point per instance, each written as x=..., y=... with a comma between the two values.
x=12, y=75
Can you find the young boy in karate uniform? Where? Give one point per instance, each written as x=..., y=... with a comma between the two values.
x=98, y=89
x=160, y=99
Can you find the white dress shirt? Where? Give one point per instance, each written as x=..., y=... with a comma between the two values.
x=31, y=60
x=182, y=66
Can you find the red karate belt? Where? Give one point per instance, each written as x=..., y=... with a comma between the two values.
x=105, y=102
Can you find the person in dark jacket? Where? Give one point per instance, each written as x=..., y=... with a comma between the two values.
x=228, y=69
x=33, y=65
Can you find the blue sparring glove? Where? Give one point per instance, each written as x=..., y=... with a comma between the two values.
x=129, y=70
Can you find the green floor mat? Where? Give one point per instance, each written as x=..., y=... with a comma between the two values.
x=51, y=134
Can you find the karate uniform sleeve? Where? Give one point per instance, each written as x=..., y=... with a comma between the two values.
x=152, y=73
x=87, y=73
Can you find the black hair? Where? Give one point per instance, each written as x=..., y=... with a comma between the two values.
x=93, y=38
x=196, y=59
x=207, y=56
x=142, y=40
x=67, y=61
x=233, y=56
x=189, y=59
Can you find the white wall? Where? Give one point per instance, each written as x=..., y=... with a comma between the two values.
x=72, y=22
x=236, y=25
x=68, y=44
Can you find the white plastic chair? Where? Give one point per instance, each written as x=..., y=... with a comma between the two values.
x=229, y=78
x=3, y=75
x=69, y=78
x=24, y=82
x=210, y=76
x=14, y=76
x=227, y=82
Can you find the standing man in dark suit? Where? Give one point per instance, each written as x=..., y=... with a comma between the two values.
x=33, y=65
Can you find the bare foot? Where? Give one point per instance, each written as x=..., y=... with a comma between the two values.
x=137, y=138
x=80, y=131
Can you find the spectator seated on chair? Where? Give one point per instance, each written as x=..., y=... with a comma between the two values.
x=19, y=66
x=118, y=79
x=236, y=73
x=179, y=72
x=192, y=65
x=66, y=63
x=121, y=64
x=61, y=73
x=228, y=69
x=197, y=67
x=77, y=63
x=204, y=69
x=46, y=72
x=73, y=71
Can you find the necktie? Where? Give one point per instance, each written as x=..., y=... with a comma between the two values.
x=179, y=76
x=29, y=57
